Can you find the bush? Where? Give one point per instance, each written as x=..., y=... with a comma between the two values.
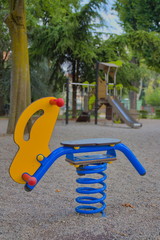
x=153, y=98
x=157, y=111
x=143, y=113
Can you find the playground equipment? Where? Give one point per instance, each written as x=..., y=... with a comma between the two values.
x=106, y=94
x=109, y=98
x=34, y=157
x=85, y=88
x=88, y=101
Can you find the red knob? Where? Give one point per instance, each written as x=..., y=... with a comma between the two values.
x=29, y=179
x=59, y=102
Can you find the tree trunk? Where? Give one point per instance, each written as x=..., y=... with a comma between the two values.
x=133, y=100
x=20, y=96
x=1, y=93
x=2, y=111
x=133, y=94
x=74, y=93
x=140, y=89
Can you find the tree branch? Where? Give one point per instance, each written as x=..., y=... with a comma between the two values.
x=16, y=17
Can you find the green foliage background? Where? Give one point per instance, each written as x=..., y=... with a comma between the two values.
x=67, y=33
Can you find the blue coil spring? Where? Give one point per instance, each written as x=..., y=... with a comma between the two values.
x=86, y=208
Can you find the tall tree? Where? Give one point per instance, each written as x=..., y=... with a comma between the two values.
x=139, y=14
x=69, y=39
x=4, y=56
x=4, y=81
x=20, y=96
x=139, y=17
x=84, y=50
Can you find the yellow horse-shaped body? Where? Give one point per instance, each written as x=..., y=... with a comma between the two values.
x=40, y=134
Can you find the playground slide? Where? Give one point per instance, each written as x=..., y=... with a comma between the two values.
x=123, y=112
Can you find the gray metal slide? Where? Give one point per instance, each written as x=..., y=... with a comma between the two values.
x=123, y=112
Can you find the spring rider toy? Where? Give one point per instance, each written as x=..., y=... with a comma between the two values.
x=34, y=157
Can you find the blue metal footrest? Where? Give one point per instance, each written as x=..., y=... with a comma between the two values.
x=90, y=159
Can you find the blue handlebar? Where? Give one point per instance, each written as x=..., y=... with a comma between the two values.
x=131, y=157
x=48, y=161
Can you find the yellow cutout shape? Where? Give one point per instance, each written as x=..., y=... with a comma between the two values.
x=25, y=160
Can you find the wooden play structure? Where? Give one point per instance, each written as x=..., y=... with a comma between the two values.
x=106, y=94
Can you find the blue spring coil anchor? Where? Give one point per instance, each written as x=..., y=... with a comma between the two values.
x=86, y=208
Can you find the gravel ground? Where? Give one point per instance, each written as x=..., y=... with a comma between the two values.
x=133, y=201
